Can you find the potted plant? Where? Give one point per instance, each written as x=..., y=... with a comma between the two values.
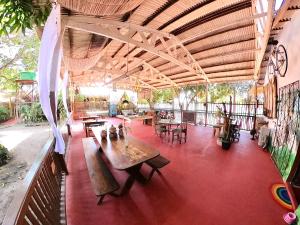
x=226, y=142
x=226, y=139
x=219, y=114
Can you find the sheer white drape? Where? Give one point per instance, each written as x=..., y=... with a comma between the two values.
x=48, y=71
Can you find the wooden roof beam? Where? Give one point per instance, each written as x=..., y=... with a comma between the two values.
x=122, y=32
x=212, y=80
x=230, y=26
x=268, y=27
x=153, y=73
x=165, y=66
x=281, y=13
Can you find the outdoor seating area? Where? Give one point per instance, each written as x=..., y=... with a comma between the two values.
x=157, y=112
x=174, y=195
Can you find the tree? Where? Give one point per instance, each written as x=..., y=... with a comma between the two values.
x=189, y=94
x=18, y=53
x=16, y=15
x=163, y=96
x=220, y=92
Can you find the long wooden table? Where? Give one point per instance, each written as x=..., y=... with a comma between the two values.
x=128, y=158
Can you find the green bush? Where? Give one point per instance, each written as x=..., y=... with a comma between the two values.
x=143, y=101
x=32, y=113
x=3, y=155
x=61, y=112
x=4, y=113
x=79, y=98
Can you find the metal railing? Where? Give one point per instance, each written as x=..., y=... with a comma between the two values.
x=243, y=112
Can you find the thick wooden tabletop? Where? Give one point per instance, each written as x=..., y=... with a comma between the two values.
x=90, y=121
x=89, y=117
x=121, y=157
x=169, y=122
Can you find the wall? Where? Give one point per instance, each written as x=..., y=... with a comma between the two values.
x=290, y=38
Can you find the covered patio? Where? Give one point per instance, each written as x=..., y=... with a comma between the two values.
x=133, y=49
x=203, y=184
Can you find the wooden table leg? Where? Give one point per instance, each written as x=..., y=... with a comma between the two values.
x=86, y=131
x=134, y=174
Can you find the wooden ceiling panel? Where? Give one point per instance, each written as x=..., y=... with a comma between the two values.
x=219, y=36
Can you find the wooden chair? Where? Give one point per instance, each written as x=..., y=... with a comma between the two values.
x=178, y=133
x=161, y=129
x=236, y=131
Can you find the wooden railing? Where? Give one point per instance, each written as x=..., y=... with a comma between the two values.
x=206, y=115
x=38, y=199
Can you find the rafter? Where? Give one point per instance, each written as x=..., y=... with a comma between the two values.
x=196, y=81
x=142, y=82
x=224, y=28
x=149, y=72
x=171, y=49
x=267, y=31
x=156, y=74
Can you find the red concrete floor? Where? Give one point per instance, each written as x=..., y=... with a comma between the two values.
x=203, y=185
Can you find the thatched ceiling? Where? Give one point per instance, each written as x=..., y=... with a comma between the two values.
x=164, y=43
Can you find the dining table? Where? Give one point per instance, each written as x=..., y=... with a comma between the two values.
x=83, y=118
x=92, y=123
x=169, y=123
x=125, y=154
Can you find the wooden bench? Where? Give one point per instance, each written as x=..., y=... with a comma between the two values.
x=157, y=163
x=102, y=180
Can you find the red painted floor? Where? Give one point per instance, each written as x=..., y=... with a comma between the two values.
x=203, y=185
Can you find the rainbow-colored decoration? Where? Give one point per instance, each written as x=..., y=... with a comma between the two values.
x=280, y=195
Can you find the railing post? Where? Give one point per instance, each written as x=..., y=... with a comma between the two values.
x=206, y=105
x=59, y=157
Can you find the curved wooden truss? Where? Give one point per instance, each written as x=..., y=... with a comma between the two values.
x=162, y=44
x=167, y=43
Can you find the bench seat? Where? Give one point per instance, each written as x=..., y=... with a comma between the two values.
x=103, y=182
x=157, y=163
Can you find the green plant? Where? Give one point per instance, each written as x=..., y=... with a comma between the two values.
x=219, y=113
x=22, y=14
x=79, y=98
x=226, y=139
x=61, y=111
x=32, y=113
x=143, y=101
x=4, y=156
x=4, y=113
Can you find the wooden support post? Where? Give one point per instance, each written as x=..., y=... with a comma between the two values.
x=60, y=157
x=234, y=101
x=206, y=103
x=253, y=131
x=68, y=108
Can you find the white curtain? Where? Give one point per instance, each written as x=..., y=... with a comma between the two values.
x=48, y=71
